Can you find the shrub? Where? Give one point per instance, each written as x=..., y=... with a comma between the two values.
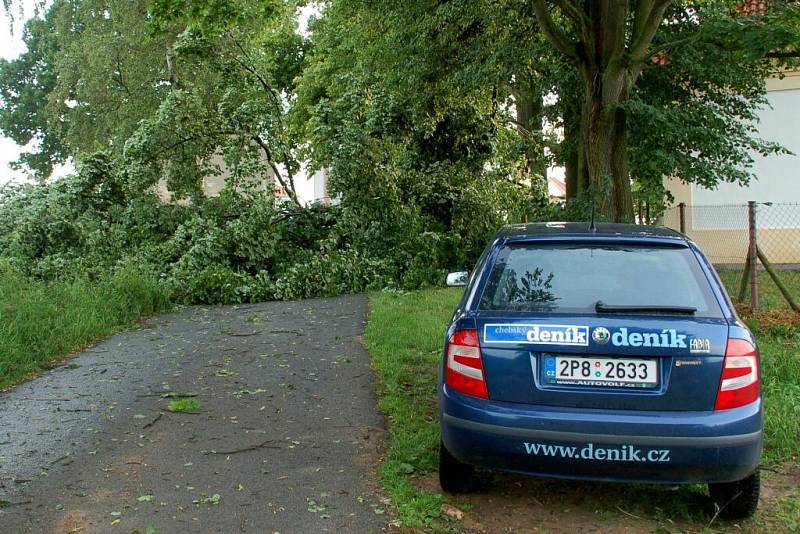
x=331, y=273
x=238, y=247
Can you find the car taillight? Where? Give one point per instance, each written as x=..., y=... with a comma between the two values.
x=464, y=371
x=739, y=384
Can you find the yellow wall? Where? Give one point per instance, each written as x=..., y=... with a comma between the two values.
x=681, y=191
x=779, y=245
x=213, y=184
x=790, y=80
x=728, y=244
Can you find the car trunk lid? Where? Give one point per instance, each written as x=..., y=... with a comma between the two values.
x=520, y=352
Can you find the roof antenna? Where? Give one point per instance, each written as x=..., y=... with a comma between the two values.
x=592, y=226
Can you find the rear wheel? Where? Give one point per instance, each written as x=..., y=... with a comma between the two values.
x=454, y=476
x=737, y=500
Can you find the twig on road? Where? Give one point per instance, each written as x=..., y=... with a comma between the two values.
x=245, y=334
x=154, y=421
x=60, y=459
x=263, y=445
x=6, y=504
x=295, y=332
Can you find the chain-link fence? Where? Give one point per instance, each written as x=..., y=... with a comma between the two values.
x=737, y=237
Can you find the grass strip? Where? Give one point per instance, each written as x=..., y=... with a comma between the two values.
x=41, y=322
x=405, y=335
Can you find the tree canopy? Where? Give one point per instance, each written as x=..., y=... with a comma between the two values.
x=620, y=93
x=709, y=60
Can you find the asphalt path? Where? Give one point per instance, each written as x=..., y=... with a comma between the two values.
x=285, y=439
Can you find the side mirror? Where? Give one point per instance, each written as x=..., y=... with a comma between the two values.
x=457, y=279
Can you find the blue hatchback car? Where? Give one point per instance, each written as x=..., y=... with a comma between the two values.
x=610, y=353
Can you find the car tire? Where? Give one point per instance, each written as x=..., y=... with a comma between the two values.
x=736, y=500
x=454, y=476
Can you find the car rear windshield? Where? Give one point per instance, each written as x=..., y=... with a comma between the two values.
x=574, y=277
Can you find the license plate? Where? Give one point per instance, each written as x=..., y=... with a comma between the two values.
x=600, y=371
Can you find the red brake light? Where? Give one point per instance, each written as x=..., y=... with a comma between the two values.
x=740, y=383
x=464, y=371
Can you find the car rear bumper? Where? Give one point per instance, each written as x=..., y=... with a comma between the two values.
x=625, y=446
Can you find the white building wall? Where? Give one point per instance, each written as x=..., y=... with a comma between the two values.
x=320, y=185
x=778, y=177
x=311, y=188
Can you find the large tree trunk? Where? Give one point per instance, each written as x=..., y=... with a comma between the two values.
x=605, y=78
x=611, y=46
x=605, y=145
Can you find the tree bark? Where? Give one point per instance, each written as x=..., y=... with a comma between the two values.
x=609, y=52
x=605, y=78
x=605, y=144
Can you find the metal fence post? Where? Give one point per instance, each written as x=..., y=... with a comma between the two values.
x=682, y=212
x=753, y=256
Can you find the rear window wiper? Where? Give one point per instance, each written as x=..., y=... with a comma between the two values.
x=602, y=307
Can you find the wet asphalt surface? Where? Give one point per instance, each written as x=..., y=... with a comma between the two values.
x=286, y=438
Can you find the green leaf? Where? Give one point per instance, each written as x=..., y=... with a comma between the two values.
x=406, y=468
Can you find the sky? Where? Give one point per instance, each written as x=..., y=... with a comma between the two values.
x=11, y=46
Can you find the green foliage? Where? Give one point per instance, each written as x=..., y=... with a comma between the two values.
x=238, y=246
x=781, y=394
x=25, y=84
x=411, y=139
x=420, y=163
x=89, y=75
x=184, y=405
x=428, y=115
x=209, y=16
x=192, y=87
x=327, y=274
x=393, y=86
x=42, y=321
x=217, y=284
x=694, y=118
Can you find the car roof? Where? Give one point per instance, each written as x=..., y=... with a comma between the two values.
x=581, y=229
